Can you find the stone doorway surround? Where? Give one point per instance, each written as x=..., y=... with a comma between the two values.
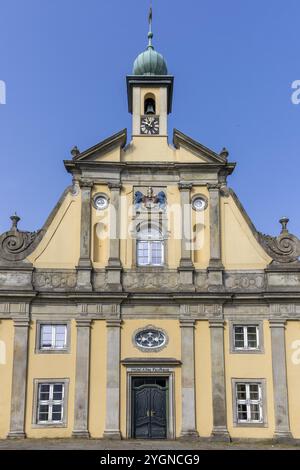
x=148, y=367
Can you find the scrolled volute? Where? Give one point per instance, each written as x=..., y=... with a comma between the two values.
x=16, y=245
x=282, y=249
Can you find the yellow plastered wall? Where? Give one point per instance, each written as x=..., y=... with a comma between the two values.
x=203, y=387
x=100, y=231
x=293, y=374
x=6, y=366
x=149, y=149
x=113, y=155
x=172, y=350
x=97, y=379
x=250, y=366
x=200, y=231
x=157, y=149
x=184, y=155
x=50, y=366
x=240, y=250
x=60, y=246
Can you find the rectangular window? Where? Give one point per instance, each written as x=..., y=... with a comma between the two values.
x=246, y=337
x=50, y=405
x=249, y=408
x=53, y=337
x=150, y=253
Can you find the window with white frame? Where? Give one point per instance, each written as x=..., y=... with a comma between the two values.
x=246, y=337
x=249, y=403
x=150, y=247
x=53, y=337
x=50, y=403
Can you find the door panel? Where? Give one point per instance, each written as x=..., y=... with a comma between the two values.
x=142, y=404
x=158, y=412
x=149, y=409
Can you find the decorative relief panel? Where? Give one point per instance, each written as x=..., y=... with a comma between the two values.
x=150, y=280
x=247, y=281
x=55, y=280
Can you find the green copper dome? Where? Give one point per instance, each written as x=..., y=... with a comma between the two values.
x=150, y=62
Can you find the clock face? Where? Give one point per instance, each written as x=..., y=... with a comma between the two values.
x=149, y=125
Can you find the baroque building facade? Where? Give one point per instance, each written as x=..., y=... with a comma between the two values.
x=149, y=306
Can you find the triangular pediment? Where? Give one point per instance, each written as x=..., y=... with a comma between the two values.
x=203, y=153
x=102, y=148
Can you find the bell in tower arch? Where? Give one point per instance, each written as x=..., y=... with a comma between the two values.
x=149, y=106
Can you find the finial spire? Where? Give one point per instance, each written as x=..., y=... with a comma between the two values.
x=150, y=34
x=15, y=220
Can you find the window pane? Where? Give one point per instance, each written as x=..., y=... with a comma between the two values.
x=43, y=413
x=60, y=335
x=156, y=252
x=254, y=391
x=238, y=336
x=252, y=336
x=242, y=412
x=143, y=252
x=241, y=391
x=56, y=413
x=57, y=392
x=255, y=412
x=46, y=336
x=44, y=390
x=43, y=416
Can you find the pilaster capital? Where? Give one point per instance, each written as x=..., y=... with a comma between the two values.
x=277, y=323
x=85, y=183
x=83, y=322
x=114, y=185
x=21, y=322
x=113, y=323
x=216, y=323
x=182, y=186
x=187, y=323
x=213, y=186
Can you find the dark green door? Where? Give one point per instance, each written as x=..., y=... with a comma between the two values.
x=149, y=408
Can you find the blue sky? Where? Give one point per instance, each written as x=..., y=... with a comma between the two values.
x=64, y=63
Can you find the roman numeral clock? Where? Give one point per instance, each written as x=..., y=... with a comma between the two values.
x=149, y=125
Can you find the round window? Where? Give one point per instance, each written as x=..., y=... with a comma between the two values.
x=100, y=201
x=199, y=203
x=150, y=339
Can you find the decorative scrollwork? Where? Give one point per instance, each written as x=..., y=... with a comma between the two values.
x=16, y=245
x=283, y=249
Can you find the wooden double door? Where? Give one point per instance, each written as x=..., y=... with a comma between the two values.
x=149, y=400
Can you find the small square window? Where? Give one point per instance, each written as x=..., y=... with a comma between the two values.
x=52, y=337
x=246, y=338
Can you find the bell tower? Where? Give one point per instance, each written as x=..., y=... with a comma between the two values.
x=150, y=92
